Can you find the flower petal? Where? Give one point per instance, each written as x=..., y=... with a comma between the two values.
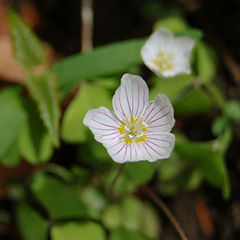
x=104, y=124
x=158, y=146
x=159, y=115
x=131, y=97
x=163, y=41
x=183, y=49
x=121, y=152
x=160, y=40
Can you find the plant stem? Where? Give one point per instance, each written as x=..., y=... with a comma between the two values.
x=87, y=25
x=149, y=192
x=111, y=191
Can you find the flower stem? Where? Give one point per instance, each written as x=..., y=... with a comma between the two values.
x=150, y=193
x=111, y=191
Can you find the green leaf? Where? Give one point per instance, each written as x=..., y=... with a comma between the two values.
x=132, y=214
x=27, y=48
x=76, y=231
x=172, y=23
x=206, y=62
x=232, y=110
x=60, y=200
x=35, y=142
x=102, y=61
x=170, y=168
x=31, y=225
x=95, y=200
x=208, y=158
x=170, y=86
x=194, y=33
x=219, y=125
x=12, y=157
x=88, y=97
x=193, y=103
x=12, y=119
x=44, y=91
x=139, y=172
x=121, y=234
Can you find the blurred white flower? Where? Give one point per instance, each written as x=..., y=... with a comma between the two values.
x=135, y=129
x=167, y=55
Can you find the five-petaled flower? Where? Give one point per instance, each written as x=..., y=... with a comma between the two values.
x=167, y=55
x=135, y=129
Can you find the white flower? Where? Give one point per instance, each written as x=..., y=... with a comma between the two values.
x=135, y=129
x=167, y=55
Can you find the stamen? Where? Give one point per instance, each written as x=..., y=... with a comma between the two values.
x=164, y=61
x=133, y=130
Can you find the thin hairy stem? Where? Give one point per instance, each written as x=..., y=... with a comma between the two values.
x=151, y=194
x=111, y=191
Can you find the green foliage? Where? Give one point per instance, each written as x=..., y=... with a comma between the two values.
x=208, y=158
x=76, y=231
x=95, y=200
x=27, y=48
x=44, y=91
x=13, y=118
x=206, y=62
x=12, y=157
x=34, y=142
x=139, y=172
x=232, y=110
x=60, y=200
x=121, y=233
x=170, y=86
x=193, y=103
x=179, y=26
x=133, y=215
x=31, y=225
x=172, y=23
x=194, y=33
x=76, y=197
x=88, y=97
x=102, y=61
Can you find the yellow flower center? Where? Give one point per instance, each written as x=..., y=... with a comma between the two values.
x=133, y=130
x=164, y=61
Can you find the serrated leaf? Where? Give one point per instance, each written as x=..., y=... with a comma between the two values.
x=27, y=48
x=76, y=231
x=44, y=91
x=88, y=97
x=59, y=199
x=34, y=142
x=103, y=61
x=31, y=225
x=12, y=117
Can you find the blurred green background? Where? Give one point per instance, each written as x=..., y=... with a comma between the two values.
x=55, y=178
